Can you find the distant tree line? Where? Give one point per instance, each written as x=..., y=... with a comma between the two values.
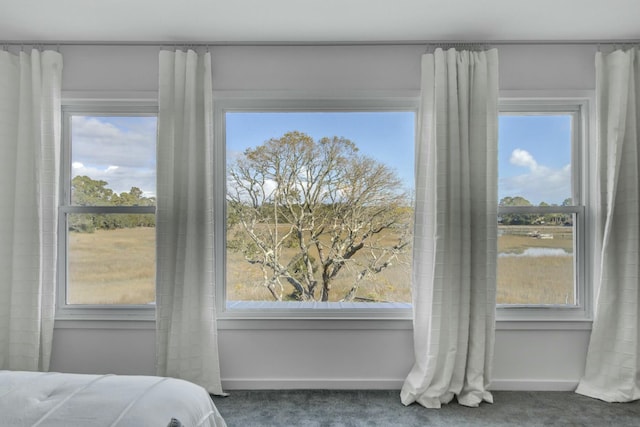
x=533, y=218
x=90, y=192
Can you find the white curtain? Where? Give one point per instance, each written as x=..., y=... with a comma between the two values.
x=454, y=254
x=186, y=318
x=29, y=164
x=613, y=360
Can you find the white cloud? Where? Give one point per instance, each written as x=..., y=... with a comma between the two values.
x=123, y=157
x=539, y=184
x=523, y=158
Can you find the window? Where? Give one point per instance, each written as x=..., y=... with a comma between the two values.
x=541, y=212
x=319, y=208
x=107, y=209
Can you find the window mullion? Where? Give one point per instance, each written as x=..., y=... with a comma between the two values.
x=109, y=209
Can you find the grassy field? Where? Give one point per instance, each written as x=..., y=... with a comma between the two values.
x=244, y=281
x=112, y=266
x=118, y=267
x=535, y=270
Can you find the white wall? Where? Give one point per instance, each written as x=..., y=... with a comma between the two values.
x=324, y=354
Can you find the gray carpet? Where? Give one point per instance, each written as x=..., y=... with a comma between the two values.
x=325, y=408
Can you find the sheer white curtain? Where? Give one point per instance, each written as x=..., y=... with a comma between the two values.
x=186, y=319
x=613, y=360
x=29, y=163
x=454, y=254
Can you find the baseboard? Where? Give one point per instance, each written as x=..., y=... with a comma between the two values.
x=311, y=384
x=382, y=384
x=534, y=385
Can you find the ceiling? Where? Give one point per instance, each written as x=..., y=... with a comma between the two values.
x=317, y=21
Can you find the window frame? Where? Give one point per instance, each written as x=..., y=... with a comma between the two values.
x=578, y=104
x=248, y=101
x=97, y=107
x=581, y=101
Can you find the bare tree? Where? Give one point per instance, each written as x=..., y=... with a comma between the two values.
x=325, y=200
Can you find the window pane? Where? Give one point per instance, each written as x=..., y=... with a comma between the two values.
x=111, y=259
x=536, y=263
x=113, y=160
x=319, y=206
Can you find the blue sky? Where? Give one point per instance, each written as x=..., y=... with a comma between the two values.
x=534, y=150
x=116, y=149
x=386, y=136
x=534, y=157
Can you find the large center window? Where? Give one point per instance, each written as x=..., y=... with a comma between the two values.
x=319, y=208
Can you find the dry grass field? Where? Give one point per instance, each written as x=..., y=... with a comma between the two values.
x=535, y=270
x=112, y=266
x=244, y=281
x=118, y=266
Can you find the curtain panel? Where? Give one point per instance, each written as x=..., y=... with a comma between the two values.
x=454, y=255
x=186, y=336
x=612, y=370
x=29, y=164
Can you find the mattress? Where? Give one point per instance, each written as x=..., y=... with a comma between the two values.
x=48, y=399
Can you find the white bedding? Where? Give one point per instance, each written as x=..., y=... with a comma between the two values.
x=48, y=399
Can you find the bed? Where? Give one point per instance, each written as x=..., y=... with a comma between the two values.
x=48, y=399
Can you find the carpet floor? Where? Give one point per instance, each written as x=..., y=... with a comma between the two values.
x=354, y=408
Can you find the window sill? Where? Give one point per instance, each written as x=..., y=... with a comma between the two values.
x=315, y=305
x=314, y=324
x=110, y=324
x=144, y=313
x=316, y=310
x=542, y=314
x=543, y=325
x=282, y=316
